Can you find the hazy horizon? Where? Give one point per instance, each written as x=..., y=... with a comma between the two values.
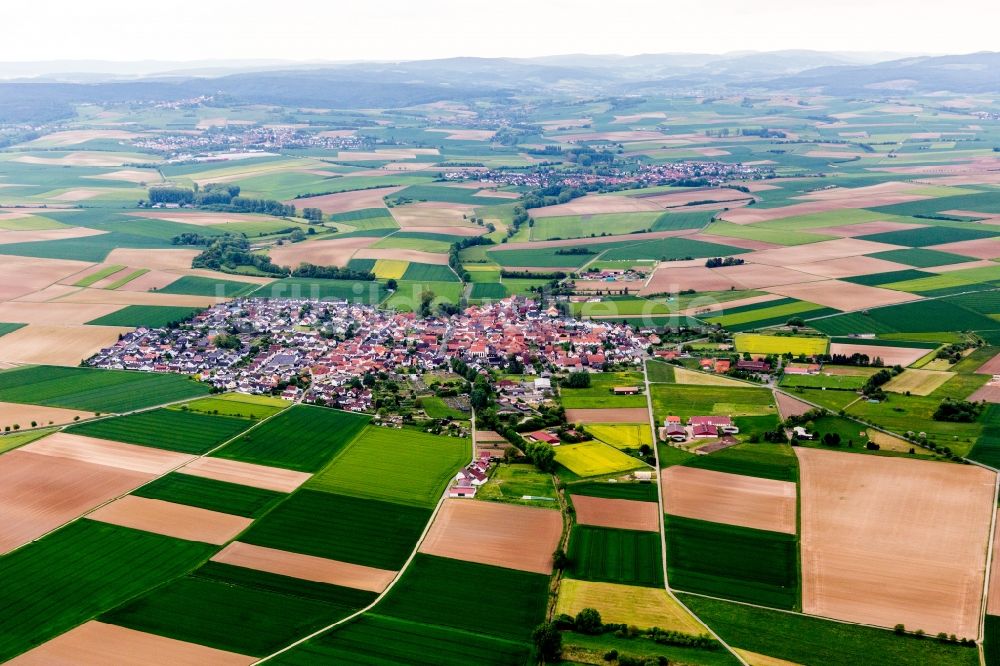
x=395, y=30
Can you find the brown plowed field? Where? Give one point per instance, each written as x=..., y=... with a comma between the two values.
x=892, y=540
x=99, y=644
x=617, y=513
x=733, y=499
x=144, y=459
x=306, y=567
x=175, y=520
x=842, y=295
x=246, y=474
x=503, y=535
x=39, y=493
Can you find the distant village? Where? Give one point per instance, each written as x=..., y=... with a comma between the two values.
x=314, y=351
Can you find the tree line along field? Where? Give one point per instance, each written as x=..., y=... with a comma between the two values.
x=172, y=429
x=95, y=390
x=302, y=438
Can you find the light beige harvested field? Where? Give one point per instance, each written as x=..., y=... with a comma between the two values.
x=993, y=594
x=854, y=194
x=789, y=406
x=890, y=356
x=433, y=214
x=403, y=255
x=917, y=381
x=755, y=276
x=751, y=215
x=152, y=280
x=865, y=228
x=593, y=204
x=344, y=202
x=74, y=137
x=894, y=540
x=449, y=231
x=991, y=367
x=675, y=199
x=52, y=292
x=948, y=268
x=733, y=499
x=334, y=252
x=31, y=235
x=695, y=378
x=980, y=248
x=380, y=154
x=246, y=474
x=203, y=219
x=613, y=137
x=143, y=459
x=888, y=442
x=617, y=415
x=848, y=267
x=38, y=493
x=833, y=154
x=99, y=644
x=337, y=134
x=842, y=295
x=705, y=305
x=162, y=259
x=305, y=567
x=617, y=513
x=55, y=313
x=175, y=520
x=125, y=297
x=80, y=194
x=755, y=659
x=24, y=415
x=821, y=251
x=504, y=535
x=57, y=345
x=644, y=607
x=667, y=279
x=137, y=176
x=94, y=159
x=635, y=117
x=466, y=134
x=24, y=275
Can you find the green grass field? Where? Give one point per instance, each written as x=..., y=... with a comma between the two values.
x=375, y=639
x=240, y=405
x=512, y=483
x=436, y=408
x=927, y=316
x=338, y=527
x=921, y=257
x=232, y=498
x=580, y=226
x=642, y=491
x=754, y=232
x=733, y=562
x=369, y=293
x=150, y=316
x=488, y=290
x=615, y=556
x=765, y=314
x=302, y=438
x=175, y=430
x=600, y=392
x=95, y=390
x=426, y=594
x=80, y=571
x=405, y=466
x=811, y=640
x=6, y=328
x=201, y=286
x=824, y=381
x=687, y=400
x=201, y=610
x=768, y=461
x=96, y=276
x=925, y=236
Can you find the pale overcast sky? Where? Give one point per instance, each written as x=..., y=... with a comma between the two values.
x=417, y=29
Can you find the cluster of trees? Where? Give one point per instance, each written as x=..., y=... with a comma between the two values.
x=218, y=196
x=531, y=275
x=577, y=380
x=873, y=387
x=718, y=262
x=551, y=196
x=862, y=360
x=230, y=252
x=958, y=411
x=574, y=251
x=454, y=257
x=307, y=270
x=314, y=215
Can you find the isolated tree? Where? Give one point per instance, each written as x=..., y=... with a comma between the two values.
x=548, y=641
x=588, y=621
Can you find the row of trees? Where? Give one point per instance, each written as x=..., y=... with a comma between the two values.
x=219, y=196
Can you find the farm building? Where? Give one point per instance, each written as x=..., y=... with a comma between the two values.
x=544, y=437
x=626, y=390
x=753, y=366
x=673, y=432
x=802, y=369
x=723, y=424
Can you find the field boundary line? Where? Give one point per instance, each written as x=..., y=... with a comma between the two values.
x=990, y=554
x=399, y=574
x=154, y=479
x=663, y=527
